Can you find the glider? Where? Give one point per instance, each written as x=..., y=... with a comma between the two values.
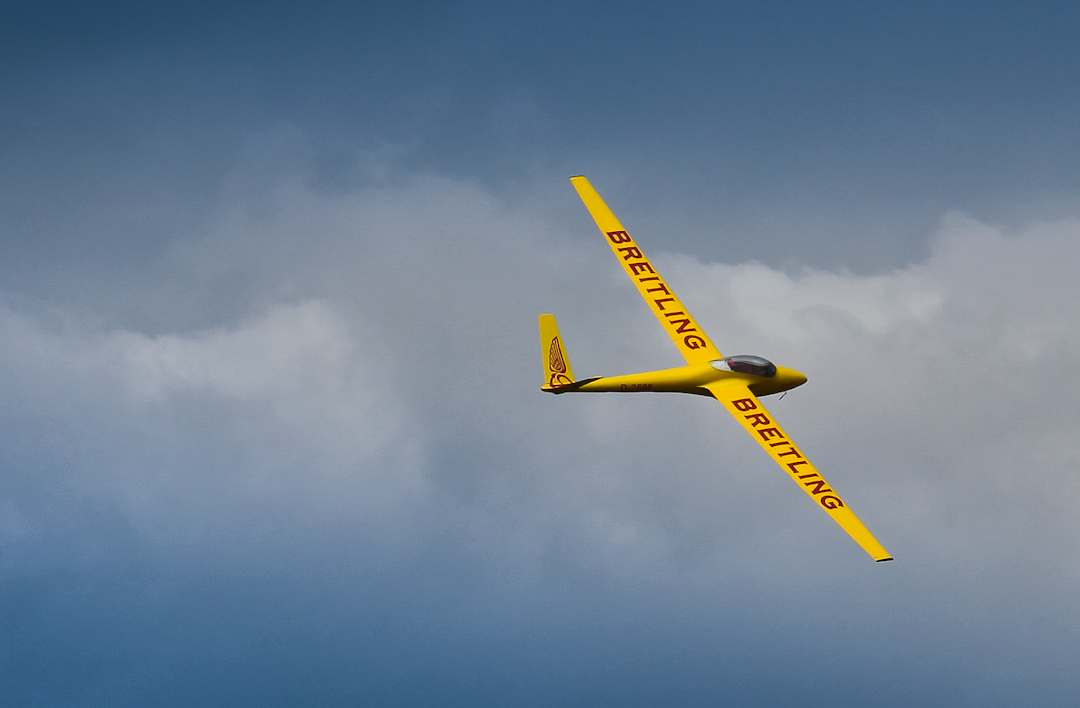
x=735, y=381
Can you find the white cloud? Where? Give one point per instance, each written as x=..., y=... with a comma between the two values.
x=943, y=394
x=940, y=398
x=277, y=418
x=300, y=360
x=363, y=412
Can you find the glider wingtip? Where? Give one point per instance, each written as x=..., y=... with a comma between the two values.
x=882, y=560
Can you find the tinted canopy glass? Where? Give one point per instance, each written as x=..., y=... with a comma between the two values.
x=746, y=364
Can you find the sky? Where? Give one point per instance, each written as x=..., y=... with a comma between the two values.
x=269, y=364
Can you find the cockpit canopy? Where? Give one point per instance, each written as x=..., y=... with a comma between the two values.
x=746, y=364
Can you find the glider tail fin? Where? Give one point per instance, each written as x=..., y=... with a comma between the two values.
x=557, y=369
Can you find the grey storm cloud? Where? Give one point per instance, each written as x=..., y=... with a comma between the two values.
x=270, y=426
x=360, y=444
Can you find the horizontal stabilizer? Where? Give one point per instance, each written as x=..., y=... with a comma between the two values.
x=567, y=388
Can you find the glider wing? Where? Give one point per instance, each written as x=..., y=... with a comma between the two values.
x=688, y=336
x=749, y=411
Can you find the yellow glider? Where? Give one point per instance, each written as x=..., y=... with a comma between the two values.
x=736, y=381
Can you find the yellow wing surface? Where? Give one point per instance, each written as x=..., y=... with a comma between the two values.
x=695, y=345
x=749, y=411
x=688, y=336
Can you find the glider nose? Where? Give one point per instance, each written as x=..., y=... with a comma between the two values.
x=789, y=378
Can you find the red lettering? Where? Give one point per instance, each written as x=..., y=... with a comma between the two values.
x=663, y=299
x=781, y=442
x=684, y=326
x=642, y=280
x=792, y=465
x=830, y=502
x=767, y=433
x=641, y=267
x=757, y=419
x=692, y=341
x=631, y=252
x=792, y=451
x=818, y=486
x=619, y=237
x=661, y=288
x=744, y=404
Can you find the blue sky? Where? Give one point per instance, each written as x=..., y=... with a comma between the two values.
x=271, y=429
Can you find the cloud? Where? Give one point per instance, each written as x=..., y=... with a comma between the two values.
x=943, y=384
x=189, y=433
x=363, y=412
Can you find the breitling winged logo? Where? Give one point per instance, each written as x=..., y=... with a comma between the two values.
x=557, y=365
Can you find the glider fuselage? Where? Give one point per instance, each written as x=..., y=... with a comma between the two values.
x=686, y=379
